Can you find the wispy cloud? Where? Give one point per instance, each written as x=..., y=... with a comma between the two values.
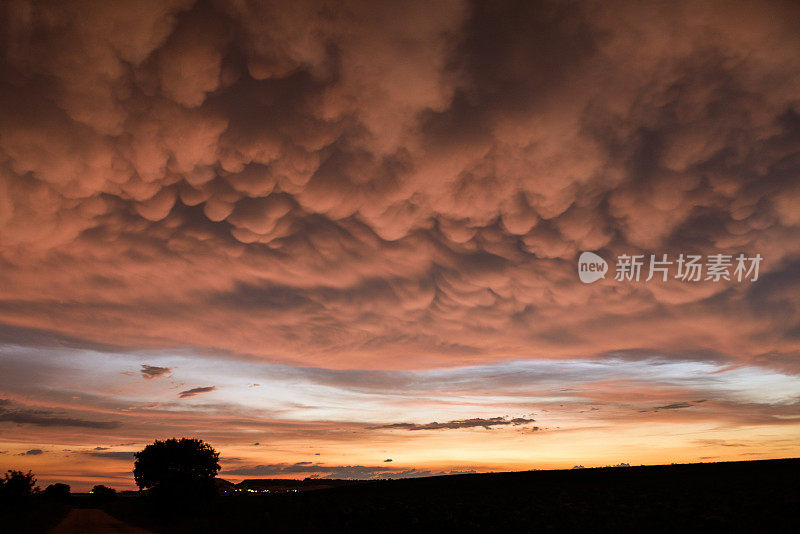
x=354, y=472
x=112, y=455
x=48, y=418
x=463, y=423
x=674, y=406
x=195, y=391
x=152, y=371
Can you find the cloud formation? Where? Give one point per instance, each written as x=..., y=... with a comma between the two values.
x=674, y=406
x=195, y=391
x=113, y=455
x=397, y=186
x=48, y=418
x=352, y=472
x=476, y=422
x=153, y=371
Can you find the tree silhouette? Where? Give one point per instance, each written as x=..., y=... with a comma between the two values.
x=57, y=491
x=101, y=493
x=16, y=484
x=177, y=468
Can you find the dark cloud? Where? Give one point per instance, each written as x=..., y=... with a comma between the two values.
x=720, y=443
x=196, y=391
x=288, y=469
x=33, y=337
x=32, y=452
x=463, y=423
x=46, y=418
x=358, y=472
x=111, y=455
x=355, y=472
x=152, y=371
x=674, y=406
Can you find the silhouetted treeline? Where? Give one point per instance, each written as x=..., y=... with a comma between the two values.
x=57, y=492
x=177, y=470
x=758, y=496
x=17, y=485
x=102, y=494
x=25, y=508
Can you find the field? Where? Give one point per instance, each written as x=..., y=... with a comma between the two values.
x=755, y=496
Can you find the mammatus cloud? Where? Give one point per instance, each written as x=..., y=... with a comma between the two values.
x=195, y=391
x=464, y=423
x=397, y=186
x=152, y=371
x=48, y=418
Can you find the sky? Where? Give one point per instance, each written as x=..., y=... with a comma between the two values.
x=341, y=239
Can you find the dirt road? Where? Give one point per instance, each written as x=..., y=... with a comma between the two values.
x=94, y=521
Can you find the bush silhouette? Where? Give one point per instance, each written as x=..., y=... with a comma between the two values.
x=17, y=484
x=101, y=493
x=57, y=492
x=177, y=469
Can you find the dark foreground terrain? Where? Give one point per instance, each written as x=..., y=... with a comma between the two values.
x=756, y=496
